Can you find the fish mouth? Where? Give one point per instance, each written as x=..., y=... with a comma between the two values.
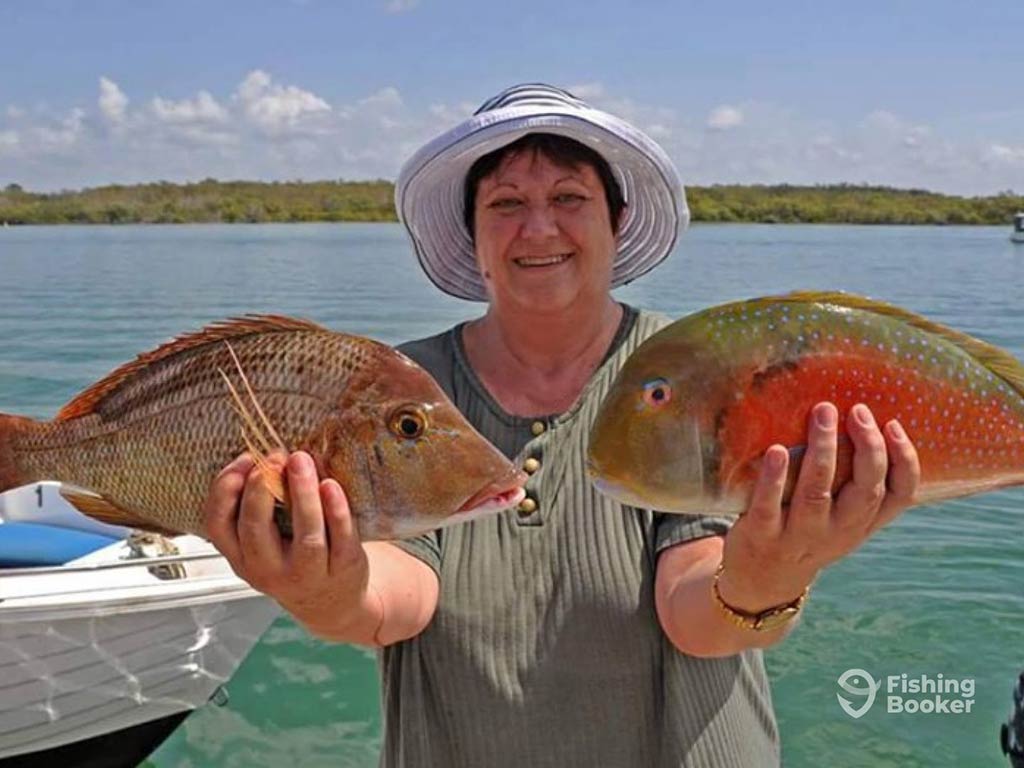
x=498, y=495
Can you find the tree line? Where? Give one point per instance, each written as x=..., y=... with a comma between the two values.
x=212, y=201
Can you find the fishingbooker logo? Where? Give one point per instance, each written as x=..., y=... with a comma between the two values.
x=850, y=681
x=920, y=694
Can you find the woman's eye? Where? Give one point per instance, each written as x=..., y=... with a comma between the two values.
x=569, y=197
x=657, y=392
x=505, y=203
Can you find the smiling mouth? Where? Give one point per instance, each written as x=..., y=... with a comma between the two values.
x=542, y=261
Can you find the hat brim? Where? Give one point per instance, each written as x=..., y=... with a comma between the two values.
x=430, y=189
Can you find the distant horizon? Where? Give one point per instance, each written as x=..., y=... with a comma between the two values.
x=4, y=184
x=211, y=200
x=911, y=95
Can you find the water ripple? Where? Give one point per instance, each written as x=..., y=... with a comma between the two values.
x=940, y=590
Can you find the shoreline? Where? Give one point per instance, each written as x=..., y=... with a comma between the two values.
x=249, y=202
x=693, y=223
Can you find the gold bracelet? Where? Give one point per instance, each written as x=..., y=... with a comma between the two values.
x=768, y=619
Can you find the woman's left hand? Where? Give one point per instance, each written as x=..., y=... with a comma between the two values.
x=773, y=552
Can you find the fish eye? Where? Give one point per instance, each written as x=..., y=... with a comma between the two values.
x=408, y=423
x=657, y=392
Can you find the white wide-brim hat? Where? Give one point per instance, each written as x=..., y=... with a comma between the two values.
x=429, y=193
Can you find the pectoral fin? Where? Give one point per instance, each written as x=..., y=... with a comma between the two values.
x=98, y=508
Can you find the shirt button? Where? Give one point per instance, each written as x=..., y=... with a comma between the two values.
x=531, y=465
x=538, y=428
x=527, y=506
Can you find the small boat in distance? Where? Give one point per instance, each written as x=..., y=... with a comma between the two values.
x=1017, y=235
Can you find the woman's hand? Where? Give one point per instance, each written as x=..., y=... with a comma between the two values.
x=772, y=553
x=321, y=575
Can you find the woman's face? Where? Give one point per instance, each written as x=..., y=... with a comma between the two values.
x=543, y=236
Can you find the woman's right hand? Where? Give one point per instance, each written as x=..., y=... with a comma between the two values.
x=321, y=575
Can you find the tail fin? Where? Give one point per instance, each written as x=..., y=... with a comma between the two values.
x=11, y=475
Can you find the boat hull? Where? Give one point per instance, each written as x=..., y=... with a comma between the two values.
x=112, y=640
x=127, y=748
x=62, y=681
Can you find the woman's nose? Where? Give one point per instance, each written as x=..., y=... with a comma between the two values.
x=540, y=222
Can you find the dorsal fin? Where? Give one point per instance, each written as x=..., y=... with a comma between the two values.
x=86, y=401
x=1001, y=363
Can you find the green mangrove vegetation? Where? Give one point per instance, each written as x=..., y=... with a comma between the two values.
x=295, y=201
x=204, y=202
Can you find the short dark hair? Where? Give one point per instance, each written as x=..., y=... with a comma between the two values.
x=560, y=150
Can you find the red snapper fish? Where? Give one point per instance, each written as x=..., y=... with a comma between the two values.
x=141, y=447
x=686, y=423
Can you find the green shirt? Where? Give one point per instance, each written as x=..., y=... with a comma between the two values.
x=545, y=649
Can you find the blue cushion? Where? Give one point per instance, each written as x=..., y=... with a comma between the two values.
x=27, y=544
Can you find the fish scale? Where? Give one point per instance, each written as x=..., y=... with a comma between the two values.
x=746, y=375
x=186, y=405
x=148, y=440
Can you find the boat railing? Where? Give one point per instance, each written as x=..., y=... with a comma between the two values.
x=223, y=582
x=135, y=562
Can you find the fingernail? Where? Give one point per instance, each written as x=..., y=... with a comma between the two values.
x=775, y=460
x=240, y=464
x=826, y=416
x=863, y=414
x=896, y=431
x=300, y=463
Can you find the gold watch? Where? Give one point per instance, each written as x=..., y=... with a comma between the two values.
x=766, y=620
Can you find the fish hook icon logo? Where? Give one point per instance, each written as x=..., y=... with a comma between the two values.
x=870, y=689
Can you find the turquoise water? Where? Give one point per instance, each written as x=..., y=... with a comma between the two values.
x=939, y=592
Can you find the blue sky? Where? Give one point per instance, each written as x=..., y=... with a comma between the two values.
x=922, y=94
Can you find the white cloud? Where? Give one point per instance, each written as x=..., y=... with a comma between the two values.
x=724, y=118
x=63, y=135
x=271, y=130
x=385, y=98
x=587, y=91
x=659, y=131
x=202, y=109
x=255, y=83
x=827, y=148
x=650, y=118
x=112, y=100
x=9, y=141
x=277, y=107
x=448, y=115
x=1004, y=154
x=400, y=6
x=190, y=134
x=385, y=106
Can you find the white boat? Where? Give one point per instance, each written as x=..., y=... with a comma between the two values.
x=1018, y=228
x=129, y=634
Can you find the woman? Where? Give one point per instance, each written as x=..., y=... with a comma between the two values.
x=573, y=630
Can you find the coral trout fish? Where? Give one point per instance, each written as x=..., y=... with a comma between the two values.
x=141, y=447
x=686, y=423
